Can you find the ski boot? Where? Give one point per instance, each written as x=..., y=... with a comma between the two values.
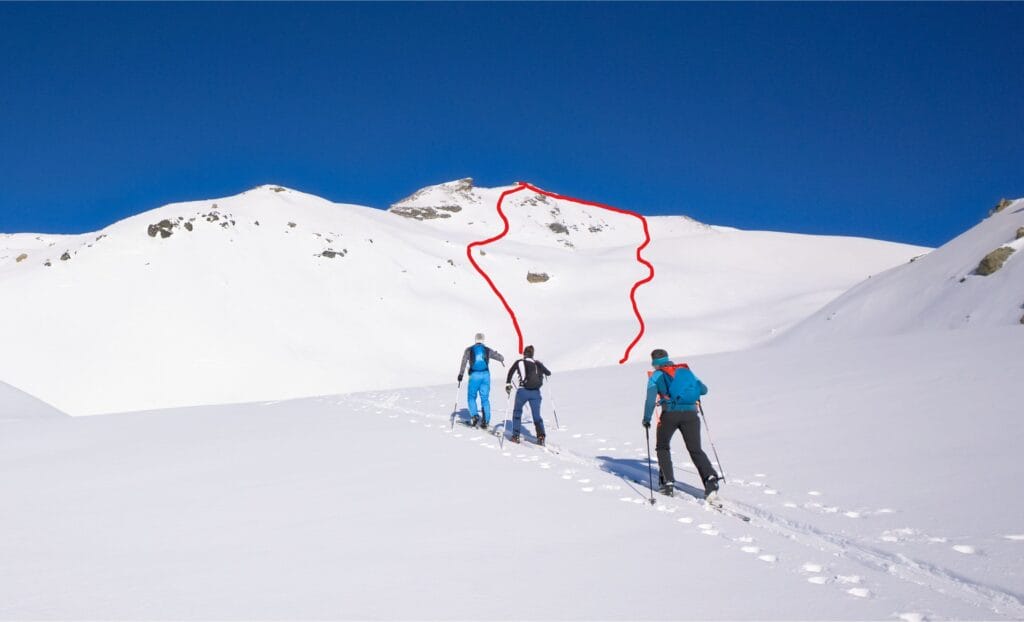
x=540, y=439
x=483, y=425
x=711, y=488
x=667, y=488
x=472, y=422
x=515, y=438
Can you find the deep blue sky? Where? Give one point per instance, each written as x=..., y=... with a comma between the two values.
x=897, y=121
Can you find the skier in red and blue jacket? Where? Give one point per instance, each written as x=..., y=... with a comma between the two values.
x=677, y=390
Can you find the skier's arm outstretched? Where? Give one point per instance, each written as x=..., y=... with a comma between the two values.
x=511, y=372
x=652, y=399
x=543, y=370
x=494, y=354
x=464, y=363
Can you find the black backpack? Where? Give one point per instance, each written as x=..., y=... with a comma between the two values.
x=532, y=379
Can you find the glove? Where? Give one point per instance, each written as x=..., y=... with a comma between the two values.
x=647, y=425
x=460, y=378
x=508, y=390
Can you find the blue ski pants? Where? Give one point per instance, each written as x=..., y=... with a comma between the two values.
x=480, y=382
x=531, y=397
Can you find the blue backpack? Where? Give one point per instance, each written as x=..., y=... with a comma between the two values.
x=683, y=387
x=478, y=358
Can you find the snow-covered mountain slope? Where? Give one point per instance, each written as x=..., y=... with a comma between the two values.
x=15, y=404
x=976, y=279
x=875, y=492
x=275, y=294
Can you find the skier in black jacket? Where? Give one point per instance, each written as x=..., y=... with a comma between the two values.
x=531, y=376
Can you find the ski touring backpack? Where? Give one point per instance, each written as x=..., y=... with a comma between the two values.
x=530, y=375
x=478, y=358
x=682, y=387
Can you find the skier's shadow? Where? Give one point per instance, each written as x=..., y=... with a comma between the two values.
x=634, y=470
x=461, y=416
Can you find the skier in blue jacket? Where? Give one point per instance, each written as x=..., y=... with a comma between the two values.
x=477, y=357
x=677, y=390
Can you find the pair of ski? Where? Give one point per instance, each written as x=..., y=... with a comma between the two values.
x=493, y=431
x=714, y=502
x=490, y=430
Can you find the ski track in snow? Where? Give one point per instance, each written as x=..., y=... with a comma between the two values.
x=581, y=471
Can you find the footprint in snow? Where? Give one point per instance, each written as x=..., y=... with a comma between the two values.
x=849, y=579
x=859, y=592
x=1017, y=537
x=771, y=559
x=751, y=549
x=812, y=567
x=705, y=526
x=760, y=475
x=814, y=493
x=912, y=616
x=686, y=520
x=851, y=514
x=769, y=491
x=817, y=580
x=710, y=532
x=587, y=489
x=966, y=549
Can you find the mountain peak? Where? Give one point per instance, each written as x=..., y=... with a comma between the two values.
x=274, y=188
x=438, y=201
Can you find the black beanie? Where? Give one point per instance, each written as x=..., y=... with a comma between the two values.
x=659, y=354
x=528, y=352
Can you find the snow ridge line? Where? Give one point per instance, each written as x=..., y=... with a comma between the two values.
x=639, y=257
x=928, y=576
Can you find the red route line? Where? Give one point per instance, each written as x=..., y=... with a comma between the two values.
x=632, y=292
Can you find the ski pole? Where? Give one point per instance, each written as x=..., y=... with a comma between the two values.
x=455, y=409
x=650, y=469
x=700, y=408
x=554, y=407
x=504, y=426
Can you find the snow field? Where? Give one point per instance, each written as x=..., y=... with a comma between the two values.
x=319, y=507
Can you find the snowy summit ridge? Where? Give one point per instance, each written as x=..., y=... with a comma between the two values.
x=274, y=293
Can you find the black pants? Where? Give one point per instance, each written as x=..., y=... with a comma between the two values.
x=688, y=423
